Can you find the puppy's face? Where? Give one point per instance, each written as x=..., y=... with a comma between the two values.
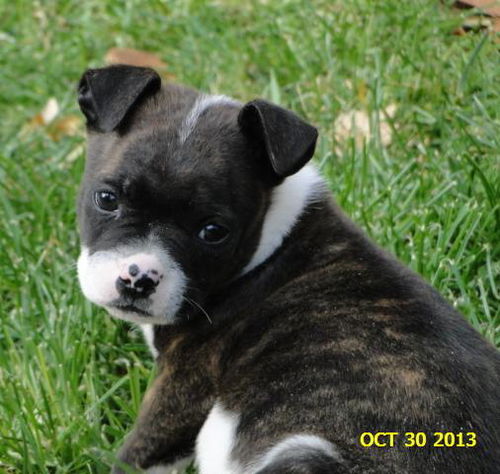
x=175, y=191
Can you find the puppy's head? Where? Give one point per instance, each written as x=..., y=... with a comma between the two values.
x=176, y=188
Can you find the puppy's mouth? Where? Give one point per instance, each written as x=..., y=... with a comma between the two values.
x=131, y=308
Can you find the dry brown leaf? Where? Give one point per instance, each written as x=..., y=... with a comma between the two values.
x=490, y=7
x=44, y=117
x=73, y=155
x=50, y=111
x=487, y=19
x=55, y=127
x=65, y=126
x=356, y=124
x=133, y=57
x=477, y=23
x=362, y=92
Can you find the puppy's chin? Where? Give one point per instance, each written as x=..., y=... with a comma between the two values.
x=136, y=315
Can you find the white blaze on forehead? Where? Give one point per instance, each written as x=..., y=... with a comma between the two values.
x=202, y=103
x=288, y=201
x=98, y=273
x=215, y=442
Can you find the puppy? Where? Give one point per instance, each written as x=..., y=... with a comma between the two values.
x=287, y=342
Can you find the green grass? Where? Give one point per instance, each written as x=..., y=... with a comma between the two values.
x=71, y=378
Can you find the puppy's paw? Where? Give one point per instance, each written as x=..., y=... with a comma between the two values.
x=132, y=459
x=178, y=467
x=127, y=461
x=121, y=468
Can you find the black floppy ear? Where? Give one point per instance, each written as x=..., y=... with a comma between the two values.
x=289, y=141
x=106, y=95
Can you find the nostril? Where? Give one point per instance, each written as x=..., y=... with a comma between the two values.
x=144, y=283
x=133, y=270
x=139, y=276
x=142, y=287
x=125, y=281
x=123, y=284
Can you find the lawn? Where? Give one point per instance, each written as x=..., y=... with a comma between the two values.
x=425, y=183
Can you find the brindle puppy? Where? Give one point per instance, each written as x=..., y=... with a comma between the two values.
x=282, y=332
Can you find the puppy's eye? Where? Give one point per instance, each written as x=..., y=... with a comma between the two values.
x=213, y=233
x=106, y=201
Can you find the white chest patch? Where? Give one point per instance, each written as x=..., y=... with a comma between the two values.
x=216, y=441
x=148, y=332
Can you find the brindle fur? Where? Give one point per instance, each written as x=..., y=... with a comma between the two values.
x=334, y=337
x=330, y=336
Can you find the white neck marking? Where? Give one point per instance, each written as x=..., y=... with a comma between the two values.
x=288, y=201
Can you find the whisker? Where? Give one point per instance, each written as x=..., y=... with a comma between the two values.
x=195, y=304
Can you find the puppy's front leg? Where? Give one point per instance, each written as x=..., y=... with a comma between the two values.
x=171, y=416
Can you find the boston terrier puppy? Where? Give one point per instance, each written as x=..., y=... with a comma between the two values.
x=286, y=340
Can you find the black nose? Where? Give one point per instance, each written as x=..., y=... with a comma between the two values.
x=141, y=287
